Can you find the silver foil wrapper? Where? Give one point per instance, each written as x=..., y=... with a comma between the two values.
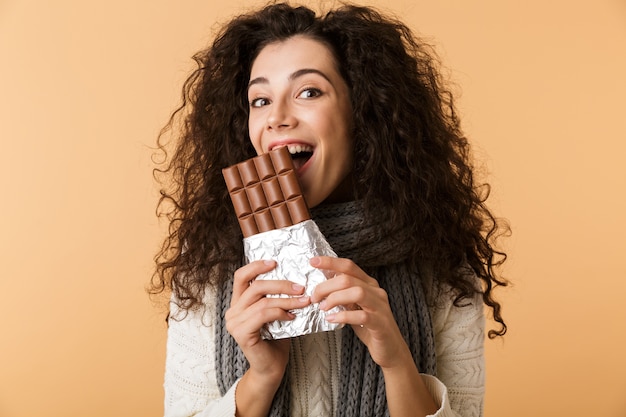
x=292, y=247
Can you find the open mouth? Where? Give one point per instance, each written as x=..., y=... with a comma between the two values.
x=300, y=154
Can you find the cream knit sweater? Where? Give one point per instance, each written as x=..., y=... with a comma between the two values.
x=191, y=388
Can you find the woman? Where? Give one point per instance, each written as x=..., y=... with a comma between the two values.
x=385, y=169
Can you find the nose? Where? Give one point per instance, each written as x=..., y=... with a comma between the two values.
x=281, y=116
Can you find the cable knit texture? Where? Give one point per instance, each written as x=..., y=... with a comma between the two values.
x=191, y=385
x=332, y=373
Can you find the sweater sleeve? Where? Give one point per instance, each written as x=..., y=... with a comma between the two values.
x=459, y=337
x=190, y=383
x=191, y=387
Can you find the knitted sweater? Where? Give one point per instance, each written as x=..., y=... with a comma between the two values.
x=191, y=387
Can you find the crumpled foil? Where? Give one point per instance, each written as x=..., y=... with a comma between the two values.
x=292, y=247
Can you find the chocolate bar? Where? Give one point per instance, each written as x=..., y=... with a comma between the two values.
x=265, y=193
x=276, y=224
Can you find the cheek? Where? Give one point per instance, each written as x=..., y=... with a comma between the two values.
x=343, y=142
x=254, y=132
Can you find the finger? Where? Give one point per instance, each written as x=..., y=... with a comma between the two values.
x=268, y=309
x=274, y=288
x=248, y=273
x=361, y=297
x=359, y=318
x=341, y=266
x=245, y=279
x=344, y=281
x=273, y=308
x=339, y=282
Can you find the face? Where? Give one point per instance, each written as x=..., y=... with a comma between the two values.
x=298, y=99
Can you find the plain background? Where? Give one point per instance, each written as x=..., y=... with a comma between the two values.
x=85, y=87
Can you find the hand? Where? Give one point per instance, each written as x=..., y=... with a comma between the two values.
x=371, y=319
x=368, y=309
x=250, y=309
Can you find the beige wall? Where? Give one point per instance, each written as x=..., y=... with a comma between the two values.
x=85, y=87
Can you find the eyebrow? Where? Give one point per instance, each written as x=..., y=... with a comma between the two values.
x=293, y=76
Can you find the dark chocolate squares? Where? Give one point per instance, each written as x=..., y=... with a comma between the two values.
x=265, y=192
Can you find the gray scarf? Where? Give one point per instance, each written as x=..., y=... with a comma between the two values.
x=381, y=255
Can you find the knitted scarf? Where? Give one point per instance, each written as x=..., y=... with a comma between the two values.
x=381, y=255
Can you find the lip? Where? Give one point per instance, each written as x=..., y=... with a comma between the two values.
x=292, y=141
x=286, y=142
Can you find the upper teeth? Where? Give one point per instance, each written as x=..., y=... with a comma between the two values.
x=295, y=149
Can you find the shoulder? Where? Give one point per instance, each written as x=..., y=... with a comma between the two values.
x=459, y=331
x=465, y=316
x=459, y=347
x=449, y=314
x=200, y=315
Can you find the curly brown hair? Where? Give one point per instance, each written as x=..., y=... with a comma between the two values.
x=409, y=151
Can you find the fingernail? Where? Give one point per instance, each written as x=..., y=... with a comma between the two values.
x=297, y=287
x=315, y=261
x=303, y=299
x=323, y=305
x=330, y=317
x=268, y=263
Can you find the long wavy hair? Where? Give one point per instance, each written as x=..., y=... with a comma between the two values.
x=409, y=151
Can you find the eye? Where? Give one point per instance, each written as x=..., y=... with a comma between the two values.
x=310, y=93
x=259, y=102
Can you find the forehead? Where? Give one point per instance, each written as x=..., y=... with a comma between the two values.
x=293, y=53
